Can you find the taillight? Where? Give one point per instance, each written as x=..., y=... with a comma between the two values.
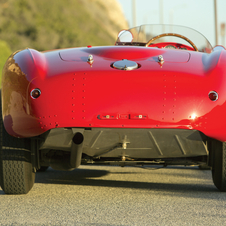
x=35, y=93
x=213, y=95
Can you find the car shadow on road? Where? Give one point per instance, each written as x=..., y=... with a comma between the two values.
x=88, y=177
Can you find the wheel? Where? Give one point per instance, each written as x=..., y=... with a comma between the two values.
x=16, y=171
x=42, y=169
x=219, y=165
x=16, y=175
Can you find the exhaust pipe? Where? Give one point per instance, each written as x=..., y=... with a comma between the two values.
x=76, y=150
x=65, y=160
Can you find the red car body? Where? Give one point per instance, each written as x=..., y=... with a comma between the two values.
x=125, y=104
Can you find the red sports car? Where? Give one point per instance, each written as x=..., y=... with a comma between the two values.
x=157, y=96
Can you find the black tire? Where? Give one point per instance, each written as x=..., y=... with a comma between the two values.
x=219, y=165
x=16, y=175
x=16, y=171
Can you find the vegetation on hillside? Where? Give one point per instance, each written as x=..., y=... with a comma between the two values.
x=4, y=54
x=55, y=24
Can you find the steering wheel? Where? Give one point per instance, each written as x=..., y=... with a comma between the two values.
x=172, y=34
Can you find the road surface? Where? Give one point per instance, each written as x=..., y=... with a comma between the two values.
x=110, y=195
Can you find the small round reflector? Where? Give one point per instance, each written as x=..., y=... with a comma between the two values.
x=213, y=95
x=35, y=93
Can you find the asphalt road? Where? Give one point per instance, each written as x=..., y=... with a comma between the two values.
x=100, y=195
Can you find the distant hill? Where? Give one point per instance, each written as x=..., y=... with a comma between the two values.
x=52, y=24
x=5, y=51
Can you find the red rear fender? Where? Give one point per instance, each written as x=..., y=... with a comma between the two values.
x=20, y=71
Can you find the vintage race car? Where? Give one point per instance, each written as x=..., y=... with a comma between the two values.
x=157, y=96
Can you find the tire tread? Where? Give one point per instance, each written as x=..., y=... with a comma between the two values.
x=16, y=173
x=219, y=165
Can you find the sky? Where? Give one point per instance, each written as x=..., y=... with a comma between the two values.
x=197, y=14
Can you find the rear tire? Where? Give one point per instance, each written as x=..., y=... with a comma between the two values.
x=219, y=165
x=16, y=171
x=16, y=175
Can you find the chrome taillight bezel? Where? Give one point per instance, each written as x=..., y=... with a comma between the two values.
x=35, y=93
x=213, y=95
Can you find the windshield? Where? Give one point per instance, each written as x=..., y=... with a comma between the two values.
x=170, y=34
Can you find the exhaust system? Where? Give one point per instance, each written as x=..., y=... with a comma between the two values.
x=65, y=160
